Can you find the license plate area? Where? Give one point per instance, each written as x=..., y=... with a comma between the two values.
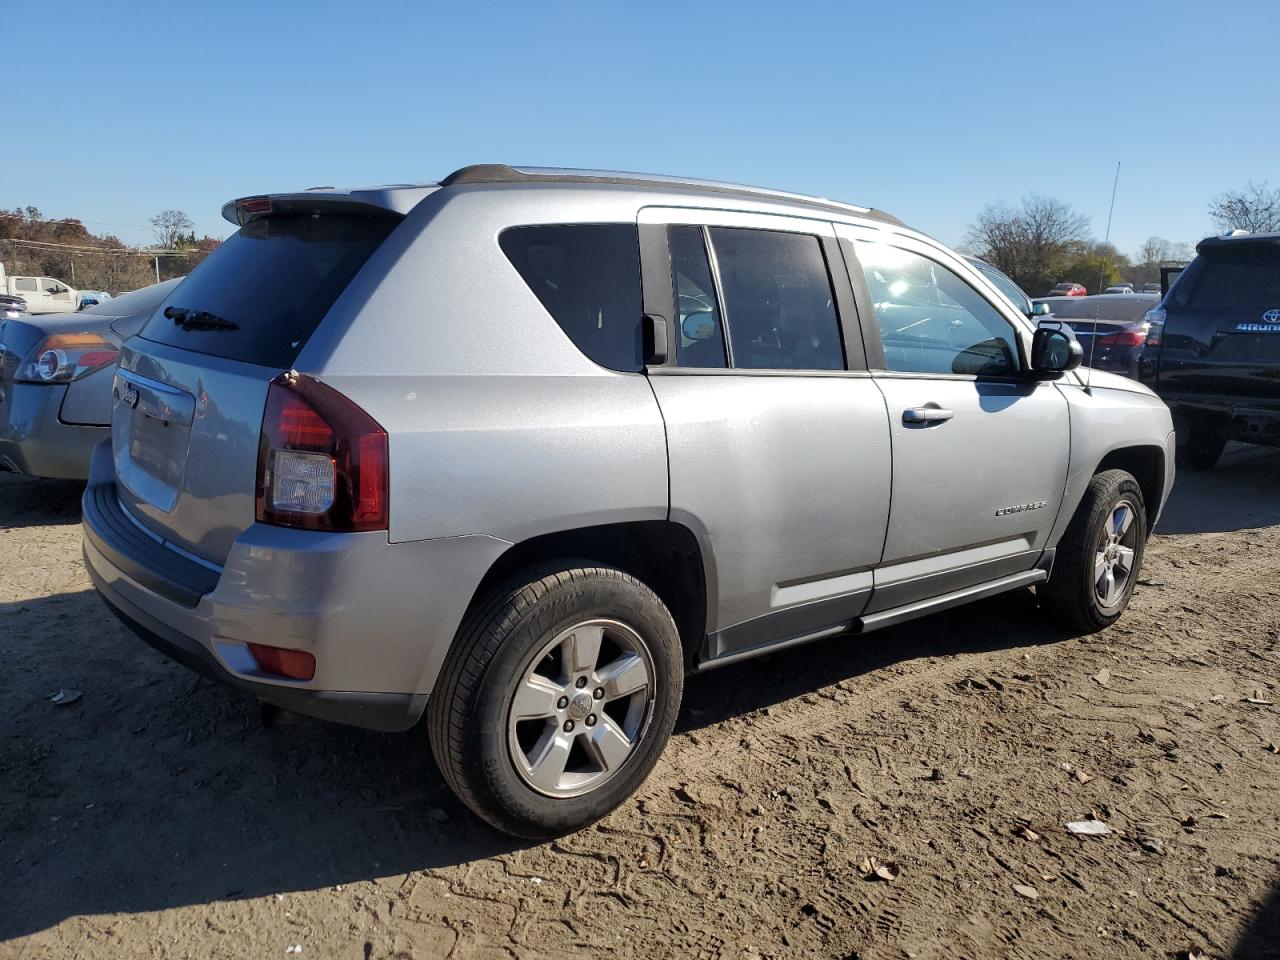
x=150, y=433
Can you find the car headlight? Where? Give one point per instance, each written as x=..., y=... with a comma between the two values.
x=63, y=357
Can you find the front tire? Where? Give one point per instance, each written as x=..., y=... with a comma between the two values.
x=557, y=699
x=1100, y=555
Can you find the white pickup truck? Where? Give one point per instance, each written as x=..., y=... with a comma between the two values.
x=43, y=294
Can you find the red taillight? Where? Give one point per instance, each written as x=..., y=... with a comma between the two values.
x=322, y=461
x=1125, y=338
x=294, y=664
x=249, y=207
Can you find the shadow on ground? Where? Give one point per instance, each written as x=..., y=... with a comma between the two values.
x=1240, y=493
x=25, y=502
x=159, y=789
x=1261, y=938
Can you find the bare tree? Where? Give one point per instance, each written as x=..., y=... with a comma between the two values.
x=1031, y=243
x=1255, y=208
x=170, y=225
x=1154, y=252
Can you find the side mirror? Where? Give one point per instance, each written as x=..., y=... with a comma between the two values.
x=1054, y=350
x=1041, y=310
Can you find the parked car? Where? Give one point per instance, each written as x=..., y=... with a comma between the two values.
x=42, y=294
x=1002, y=282
x=519, y=449
x=1120, y=288
x=1112, y=328
x=55, y=382
x=11, y=308
x=1067, y=289
x=1150, y=287
x=1213, y=350
x=89, y=298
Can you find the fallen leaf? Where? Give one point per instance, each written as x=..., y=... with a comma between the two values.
x=1022, y=890
x=1026, y=833
x=1102, y=677
x=1088, y=828
x=1258, y=698
x=873, y=869
x=65, y=697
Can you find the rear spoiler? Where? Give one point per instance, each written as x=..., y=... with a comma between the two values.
x=375, y=202
x=1246, y=239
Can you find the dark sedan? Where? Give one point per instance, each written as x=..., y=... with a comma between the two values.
x=1112, y=327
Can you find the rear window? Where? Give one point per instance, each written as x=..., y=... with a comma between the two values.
x=275, y=279
x=1246, y=276
x=587, y=275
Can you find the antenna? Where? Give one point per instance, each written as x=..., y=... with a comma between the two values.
x=1106, y=239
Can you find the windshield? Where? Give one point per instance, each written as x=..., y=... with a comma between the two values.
x=1006, y=286
x=267, y=287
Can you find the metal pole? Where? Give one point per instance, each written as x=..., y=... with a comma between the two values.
x=73, y=271
x=157, y=269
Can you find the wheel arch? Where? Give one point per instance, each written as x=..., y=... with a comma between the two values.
x=663, y=554
x=1146, y=462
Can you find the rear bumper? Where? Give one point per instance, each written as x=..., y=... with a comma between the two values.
x=1247, y=419
x=378, y=617
x=373, y=711
x=34, y=441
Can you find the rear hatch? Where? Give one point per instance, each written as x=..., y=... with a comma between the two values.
x=190, y=390
x=1221, y=333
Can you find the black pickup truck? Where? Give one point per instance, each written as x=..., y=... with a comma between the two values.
x=1212, y=351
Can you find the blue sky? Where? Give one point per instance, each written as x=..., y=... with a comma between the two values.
x=928, y=110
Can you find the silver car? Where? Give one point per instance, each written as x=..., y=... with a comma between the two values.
x=55, y=382
x=521, y=449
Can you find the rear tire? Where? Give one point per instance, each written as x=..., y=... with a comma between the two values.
x=557, y=699
x=1202, y=448
x=1099, y=557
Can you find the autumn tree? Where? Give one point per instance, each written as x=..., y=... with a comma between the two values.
x=1255, y=207
x=1032, y=242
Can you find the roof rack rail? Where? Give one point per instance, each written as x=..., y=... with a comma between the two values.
x=503, y=173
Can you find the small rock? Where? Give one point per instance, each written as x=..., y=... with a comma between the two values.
x=1152, y=845
x=1022, y=890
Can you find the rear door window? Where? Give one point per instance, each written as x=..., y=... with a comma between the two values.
x=25, y=284
x=272, y=281
x=778, y=300
x=587, y=276
x=1246, y=276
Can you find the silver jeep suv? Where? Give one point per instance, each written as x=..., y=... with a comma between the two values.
x=523, y=448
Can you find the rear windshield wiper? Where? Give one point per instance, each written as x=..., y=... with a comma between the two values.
x=198, y=319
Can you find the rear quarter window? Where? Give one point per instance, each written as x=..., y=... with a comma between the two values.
x=275, y=279
x=587, y=276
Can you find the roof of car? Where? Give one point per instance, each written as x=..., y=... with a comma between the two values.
x=400, y=198
x=502, y=173
x=1231, y=240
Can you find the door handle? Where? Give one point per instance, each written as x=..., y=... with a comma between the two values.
x=929, y=413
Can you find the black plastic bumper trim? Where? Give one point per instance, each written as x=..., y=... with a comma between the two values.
x=136, y=555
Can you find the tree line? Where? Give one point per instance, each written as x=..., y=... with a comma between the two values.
x=1043, y=241
x=66, y=249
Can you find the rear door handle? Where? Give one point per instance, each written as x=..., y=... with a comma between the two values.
x=929, y=413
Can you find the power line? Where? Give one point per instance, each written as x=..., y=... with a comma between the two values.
x=116, y=251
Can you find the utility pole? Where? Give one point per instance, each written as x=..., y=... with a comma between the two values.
x=157, y=268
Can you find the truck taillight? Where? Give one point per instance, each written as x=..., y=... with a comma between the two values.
x=322, y=461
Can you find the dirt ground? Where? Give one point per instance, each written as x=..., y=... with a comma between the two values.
x=158, y=817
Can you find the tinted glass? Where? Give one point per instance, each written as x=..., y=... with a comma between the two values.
x=701, y=332
x=275, y=279
x=1245, y=276
x=588, y=277
x=932, y=321
x=777, y=300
